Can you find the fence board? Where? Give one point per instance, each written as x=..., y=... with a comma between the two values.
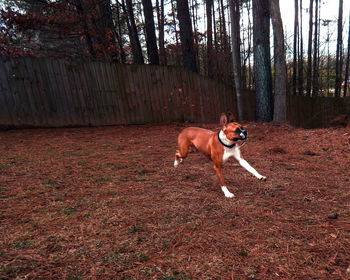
x=5, y=113
x=122, y=93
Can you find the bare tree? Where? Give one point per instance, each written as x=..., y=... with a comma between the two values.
x=295, y=46
x=339, y=56
x=133, y=34
x=316, y=52
x=236, y=59
x=119, y=24
x=209, y=6
x=347, y=64
x=309, y=51
x=280, y=114
x=262, y=67
x=301, y=53
x=186, y=35
x=160, y=18
x=151, y=41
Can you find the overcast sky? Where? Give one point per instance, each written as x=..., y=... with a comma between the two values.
x=329, y=11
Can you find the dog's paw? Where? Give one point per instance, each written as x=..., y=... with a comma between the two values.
x=262, y=178
x=227, y=193
x=176, y=163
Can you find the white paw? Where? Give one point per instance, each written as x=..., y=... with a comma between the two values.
x=227, y=192
x=176, y=163
x=262, y=178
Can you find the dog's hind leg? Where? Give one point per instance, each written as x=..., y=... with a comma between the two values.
x=178, y=159
x=181, y=153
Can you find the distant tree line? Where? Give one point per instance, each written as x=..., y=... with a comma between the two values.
x=226, y=40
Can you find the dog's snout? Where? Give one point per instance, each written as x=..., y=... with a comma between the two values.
x=243, y=134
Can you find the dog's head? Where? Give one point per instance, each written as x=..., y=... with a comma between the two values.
x=233, y=130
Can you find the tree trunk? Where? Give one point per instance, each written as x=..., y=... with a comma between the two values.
x=280, y=64
x=223, y=34
x=177, y=44
x=119, y=32
x=295, y=47
x=301, y=55
x=160, y=18
x=309, y=51
x=262, y=67
x=82, y=16
x=186, y=35
x=347, y=64
x=134, y=37
x=316, y=49
x=106, y=30
x=151, y=40
x=250, y=28
x=195, y=32
x=236, y=58
x=339, y=60
x=209, y=5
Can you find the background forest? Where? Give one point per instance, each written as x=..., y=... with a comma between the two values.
x=219, y=39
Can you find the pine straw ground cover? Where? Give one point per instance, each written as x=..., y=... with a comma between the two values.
x=107, y=203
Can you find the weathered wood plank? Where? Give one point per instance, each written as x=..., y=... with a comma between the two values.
x=24, y=93
x=112, y=101
x=122, y=93
x=40, y=116
x=105, y=92
x=62, y=94
x=117, y=94
x=6, y=114
x=61, y=117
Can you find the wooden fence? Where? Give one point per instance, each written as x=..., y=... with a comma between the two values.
x=38, y=92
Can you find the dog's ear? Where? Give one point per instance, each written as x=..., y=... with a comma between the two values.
x=231, y=117
x=223, y=120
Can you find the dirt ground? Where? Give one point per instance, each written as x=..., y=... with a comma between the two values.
x=107, y=203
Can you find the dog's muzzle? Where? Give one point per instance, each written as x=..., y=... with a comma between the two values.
x=243, y=135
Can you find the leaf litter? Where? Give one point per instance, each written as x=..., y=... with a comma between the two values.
x=107, y=203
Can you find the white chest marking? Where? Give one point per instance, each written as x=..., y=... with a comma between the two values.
x=229, y=152
x=233, y=152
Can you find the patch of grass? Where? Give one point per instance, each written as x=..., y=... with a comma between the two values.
x=49, y=182
x=119, y=167
x=176, y=275
x=243, y=253
x=134, y=229
x=112, y=256
x=289, y=167
x=76, y=276
x=69, y=210
x=119, y=148
x=308, y=153
x=4, y=166
x=101, y=179
x=20, y=244
x=82, y=163
x=143, y=257
x=142, y=171
x=140, y=179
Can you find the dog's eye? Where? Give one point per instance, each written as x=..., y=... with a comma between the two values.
x=237, y=130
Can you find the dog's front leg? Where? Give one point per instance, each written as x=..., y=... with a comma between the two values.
x=247, y=166
x=217, y=168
